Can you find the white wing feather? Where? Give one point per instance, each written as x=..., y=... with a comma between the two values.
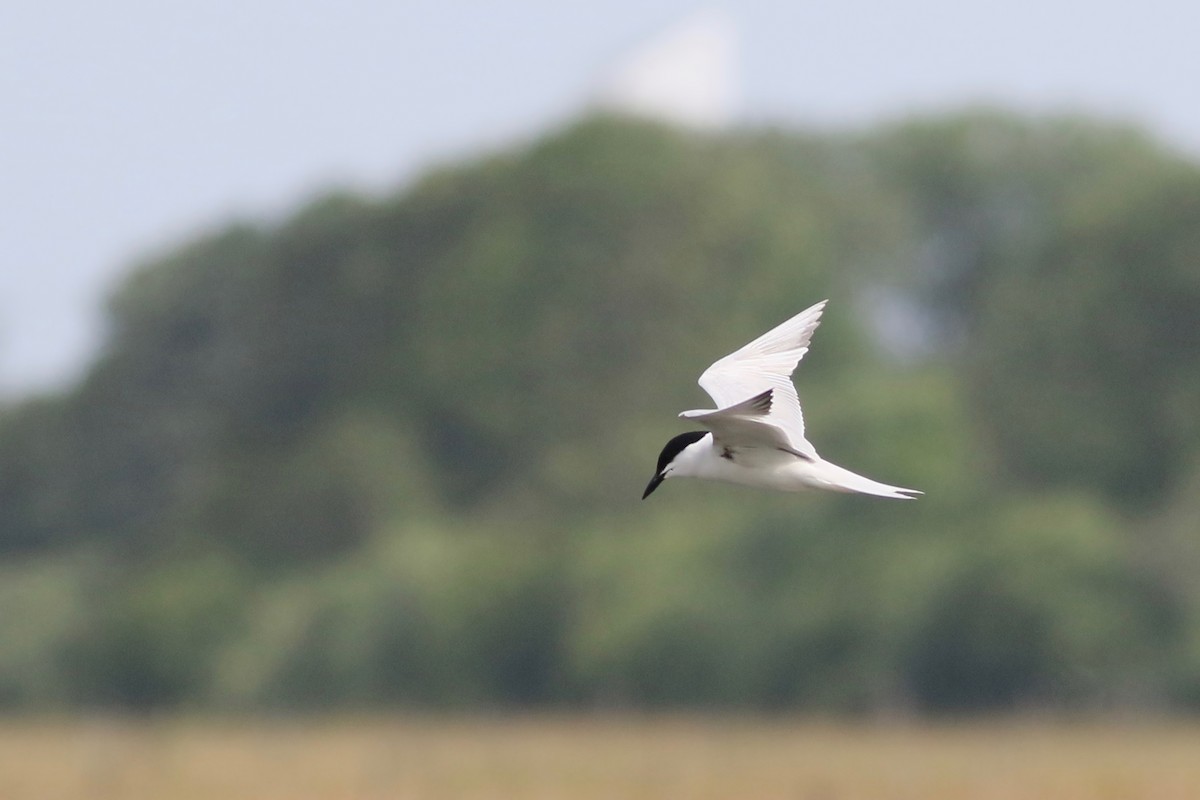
x=745, y=424
x=768, y=363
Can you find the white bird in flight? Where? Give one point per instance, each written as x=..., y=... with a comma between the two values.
x=755, y=435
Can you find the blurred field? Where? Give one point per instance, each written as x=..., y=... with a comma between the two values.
x=592, y=758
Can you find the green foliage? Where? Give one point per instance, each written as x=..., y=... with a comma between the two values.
x=1105, y=334
x=44, y=604
x=389, y=450
x=426, y=618
x=1049, y=607
x=1062, y=257
x=151, y=637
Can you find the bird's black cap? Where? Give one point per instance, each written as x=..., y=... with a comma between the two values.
x=671, y=449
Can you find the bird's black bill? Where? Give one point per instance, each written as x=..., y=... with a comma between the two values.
x=654, y=482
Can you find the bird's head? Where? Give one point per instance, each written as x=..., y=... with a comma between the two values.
x=666, y=459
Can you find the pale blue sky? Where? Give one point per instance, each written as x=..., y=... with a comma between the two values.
x=132, y=123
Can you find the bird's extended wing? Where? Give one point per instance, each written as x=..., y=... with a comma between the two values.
x=746, y=425
x=765, y=364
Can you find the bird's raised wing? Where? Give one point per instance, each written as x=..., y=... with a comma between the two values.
x=766, y=364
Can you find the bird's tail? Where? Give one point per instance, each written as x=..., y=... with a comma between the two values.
x=831, y=476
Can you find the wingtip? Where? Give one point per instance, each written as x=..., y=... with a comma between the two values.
x=815, y=310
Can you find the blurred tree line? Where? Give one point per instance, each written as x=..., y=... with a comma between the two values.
x=389, y=451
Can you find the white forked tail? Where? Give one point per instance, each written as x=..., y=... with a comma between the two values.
x=839, y=479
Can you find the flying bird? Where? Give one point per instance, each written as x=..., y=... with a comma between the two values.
x=755, y=436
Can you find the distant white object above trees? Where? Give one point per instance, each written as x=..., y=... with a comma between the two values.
x=687, y=74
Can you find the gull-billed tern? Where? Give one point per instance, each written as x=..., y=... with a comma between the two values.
x=755, y=436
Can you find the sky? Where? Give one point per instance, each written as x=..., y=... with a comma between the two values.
x=131, y=125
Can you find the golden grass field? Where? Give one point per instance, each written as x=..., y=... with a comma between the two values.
x=592, y=758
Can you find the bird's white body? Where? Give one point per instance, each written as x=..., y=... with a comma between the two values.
x=756, y=433
x=784, y=472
